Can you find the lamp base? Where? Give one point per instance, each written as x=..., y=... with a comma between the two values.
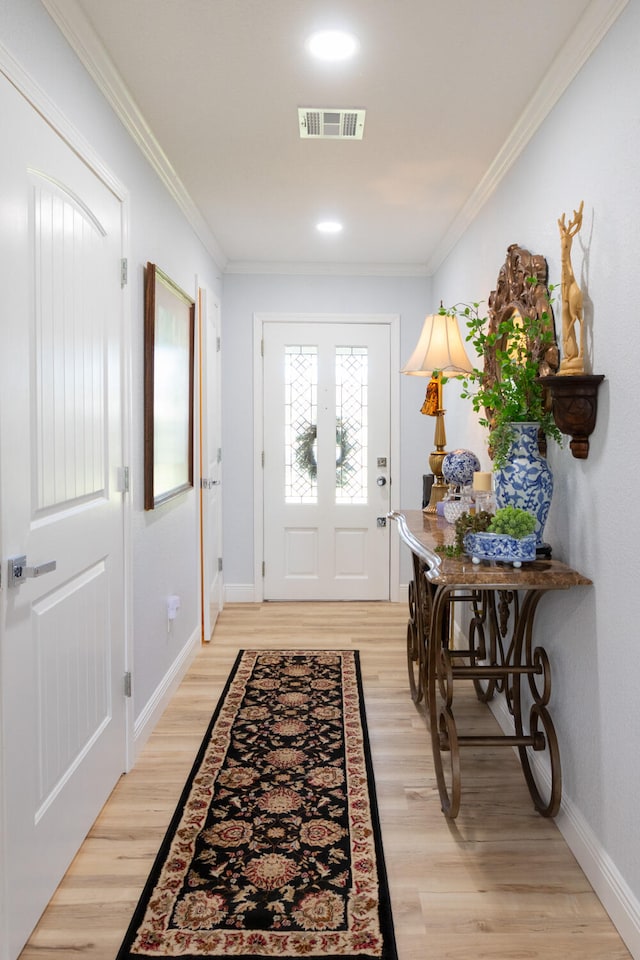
x=438, y=493
x=439, y=488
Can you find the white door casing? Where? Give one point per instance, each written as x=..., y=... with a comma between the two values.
x=210, y=461
x=62, y=642
x=326, y=539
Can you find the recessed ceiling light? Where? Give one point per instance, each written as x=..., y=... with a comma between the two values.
x=332, y=45
x=329, y=226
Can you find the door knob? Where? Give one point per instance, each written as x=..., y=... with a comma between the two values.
x=381, y=481
x=19, y=571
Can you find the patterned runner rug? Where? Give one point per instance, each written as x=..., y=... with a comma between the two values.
x=274, y=850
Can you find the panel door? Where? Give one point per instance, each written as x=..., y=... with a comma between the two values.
x=210, y=463
x=326, y=468
x=62, y=632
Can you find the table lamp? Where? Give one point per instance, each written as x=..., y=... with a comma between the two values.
x=439, y=351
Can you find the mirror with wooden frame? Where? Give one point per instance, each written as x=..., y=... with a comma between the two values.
x=168, y=388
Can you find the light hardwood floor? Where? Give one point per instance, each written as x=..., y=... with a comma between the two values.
x=499, y=882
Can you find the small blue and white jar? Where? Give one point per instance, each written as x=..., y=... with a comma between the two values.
x=459, y=466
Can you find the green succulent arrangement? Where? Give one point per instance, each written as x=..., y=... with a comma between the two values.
x=507, y=390
x=511, y=521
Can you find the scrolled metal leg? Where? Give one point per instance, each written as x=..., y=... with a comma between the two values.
x=540, y=661
x=418, y=628
x=414, y=658
x=444, y=737
x=447, y=736
x=481, y=652
x=547, y=740
x=541, y=729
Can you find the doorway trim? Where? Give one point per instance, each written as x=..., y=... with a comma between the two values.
x=392, y=320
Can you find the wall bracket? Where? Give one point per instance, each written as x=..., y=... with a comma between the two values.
x=575, y=407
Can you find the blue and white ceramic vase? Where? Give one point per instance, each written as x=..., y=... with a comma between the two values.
x=526, y=480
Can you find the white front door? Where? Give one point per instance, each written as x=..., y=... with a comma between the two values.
x=62, y=661
x=210, y=462
x=326, y=460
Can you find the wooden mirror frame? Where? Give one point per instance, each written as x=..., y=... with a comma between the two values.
x=169, y=320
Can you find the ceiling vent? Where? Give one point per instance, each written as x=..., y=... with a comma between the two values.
x=325, y=124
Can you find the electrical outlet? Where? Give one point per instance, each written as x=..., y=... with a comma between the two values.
x=173, y=605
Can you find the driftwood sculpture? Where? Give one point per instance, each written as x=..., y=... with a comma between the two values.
x=572, y=312
x=522, y=288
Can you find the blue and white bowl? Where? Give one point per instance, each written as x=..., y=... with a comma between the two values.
x=459, y=467
x=499, y=546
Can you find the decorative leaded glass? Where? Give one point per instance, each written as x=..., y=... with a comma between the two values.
x=300, y=426
x=352, y=375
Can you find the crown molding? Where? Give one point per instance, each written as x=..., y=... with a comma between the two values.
x=79, y=33
x=598, y=18
x=319, y=269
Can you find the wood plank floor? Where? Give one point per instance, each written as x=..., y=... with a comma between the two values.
x=499, y=882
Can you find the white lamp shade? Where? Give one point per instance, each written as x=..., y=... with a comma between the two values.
x=440, y=348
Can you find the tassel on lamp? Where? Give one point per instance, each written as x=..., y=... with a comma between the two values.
x=439, y=351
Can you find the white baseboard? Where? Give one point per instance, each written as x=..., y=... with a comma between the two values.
x=609, y=885
x=246, y=593
x=601, y=872
x=163, y=693
x=239, y=593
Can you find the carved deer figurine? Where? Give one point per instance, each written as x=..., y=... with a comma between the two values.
x=572, y=313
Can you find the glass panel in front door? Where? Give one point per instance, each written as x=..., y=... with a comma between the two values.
x=351, y=424
x=301, y=424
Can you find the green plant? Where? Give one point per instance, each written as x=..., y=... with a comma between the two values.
x=513, y=522
x=507, y=389
x=466, y=523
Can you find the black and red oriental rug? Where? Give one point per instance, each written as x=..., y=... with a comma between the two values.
x=274, y=850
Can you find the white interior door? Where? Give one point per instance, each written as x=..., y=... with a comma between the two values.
x=326, y=460
x=62, y=632
x=210, y=462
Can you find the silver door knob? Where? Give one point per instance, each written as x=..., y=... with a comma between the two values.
x=19, y=571
x=381, y=481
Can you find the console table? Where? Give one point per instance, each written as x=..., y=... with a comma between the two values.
x=500, y=657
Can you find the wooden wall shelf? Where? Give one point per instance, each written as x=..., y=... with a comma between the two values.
x=575, y=407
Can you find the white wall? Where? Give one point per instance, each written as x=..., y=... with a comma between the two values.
x=587, y=149
x=165, y=545
x=244, y=295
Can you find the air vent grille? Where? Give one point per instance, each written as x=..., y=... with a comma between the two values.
x=330, y=124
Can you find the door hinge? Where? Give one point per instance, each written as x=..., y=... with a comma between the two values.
x=262, y=458
x=219, y=455
x=123, y=479
x=264, y=568
x=219, y=564
x=218, y=344
x=127, y=683
x=262, y=348
x=124, y=272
